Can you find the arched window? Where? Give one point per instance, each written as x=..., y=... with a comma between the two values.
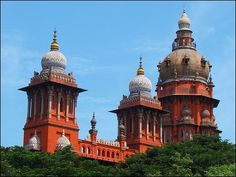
x=71, y=106
x=88, y=150
x=117, y=155
x=130, y=124
x=40, y=103
x=149, y=125
x=182, y=134
x=53, y=102
x=108, y=154
x=190, y=135
x=61, y=105
x=98, y=152
x=84, y=149
x=103, y=153
x=112, y=155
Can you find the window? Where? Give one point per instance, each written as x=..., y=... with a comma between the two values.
x=186, y=60
x=167, y=61
x=71, y=106
x=98, y=152
x=203, y=62
x=113, y=155
x=149, y=126
x=61, y=105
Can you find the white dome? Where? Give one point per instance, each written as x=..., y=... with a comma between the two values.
x=184, y=21
x=62, y=142
x=54, y=59
x=140, y=84
x=186, y=111
x=205, y=113
x=34, y=143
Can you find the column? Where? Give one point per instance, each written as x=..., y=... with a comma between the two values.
x=67, y=104
x=28, y=108
x=118, y=130
x=161, y=128
x=140, y=115
x=35, y=94
x=132, y=124
x=154, y=126
x=58, y=104
x=50, y=101
x=42, y=104
x=147, y=124
x=125, y=123
x=75, y=110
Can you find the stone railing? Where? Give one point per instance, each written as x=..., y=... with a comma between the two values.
x=132, y=99
x=45, y=76
x=106, y=142
x=186, y=120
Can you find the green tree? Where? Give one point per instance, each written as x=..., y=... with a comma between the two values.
x=223, y=170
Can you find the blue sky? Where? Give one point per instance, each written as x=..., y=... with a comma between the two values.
x=102, y=42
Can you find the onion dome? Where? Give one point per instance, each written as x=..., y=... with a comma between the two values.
x=54, y=59
x=140, y=84
x=62, y=141
x=205, y=113
x=34, y=142
x=184, y=22
x=184, y=64
x=186, y=112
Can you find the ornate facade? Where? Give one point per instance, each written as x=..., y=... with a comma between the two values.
x=182, y=107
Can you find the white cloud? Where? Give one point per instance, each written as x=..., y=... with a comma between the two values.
x=17, y=61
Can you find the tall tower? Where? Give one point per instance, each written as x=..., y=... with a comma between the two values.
x=185, y=89
x=140, y=115
x=52, y=105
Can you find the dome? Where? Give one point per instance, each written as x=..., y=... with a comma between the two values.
x=186, y=111
x=205, y=113
x=140, y=84
x=54, y=59
x=184, y=64
x=34, y=143
x=184, y=22
x=62, y=141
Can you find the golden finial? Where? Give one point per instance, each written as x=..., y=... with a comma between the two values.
x=54, y=44
x=140, y=69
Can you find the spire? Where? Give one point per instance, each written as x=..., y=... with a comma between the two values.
x=93, y=121
x=140, y=70
x=54, y=44
x=184, y=22
x=63, y=132
x=184, y=37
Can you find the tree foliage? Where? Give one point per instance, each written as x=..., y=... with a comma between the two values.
x=203, y=156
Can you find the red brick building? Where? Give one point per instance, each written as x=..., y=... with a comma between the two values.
x=182, y=107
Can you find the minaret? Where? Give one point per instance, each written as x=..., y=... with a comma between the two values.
x=93, y=131
x=138, y=114
x=52, y=102
x=184, y=89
